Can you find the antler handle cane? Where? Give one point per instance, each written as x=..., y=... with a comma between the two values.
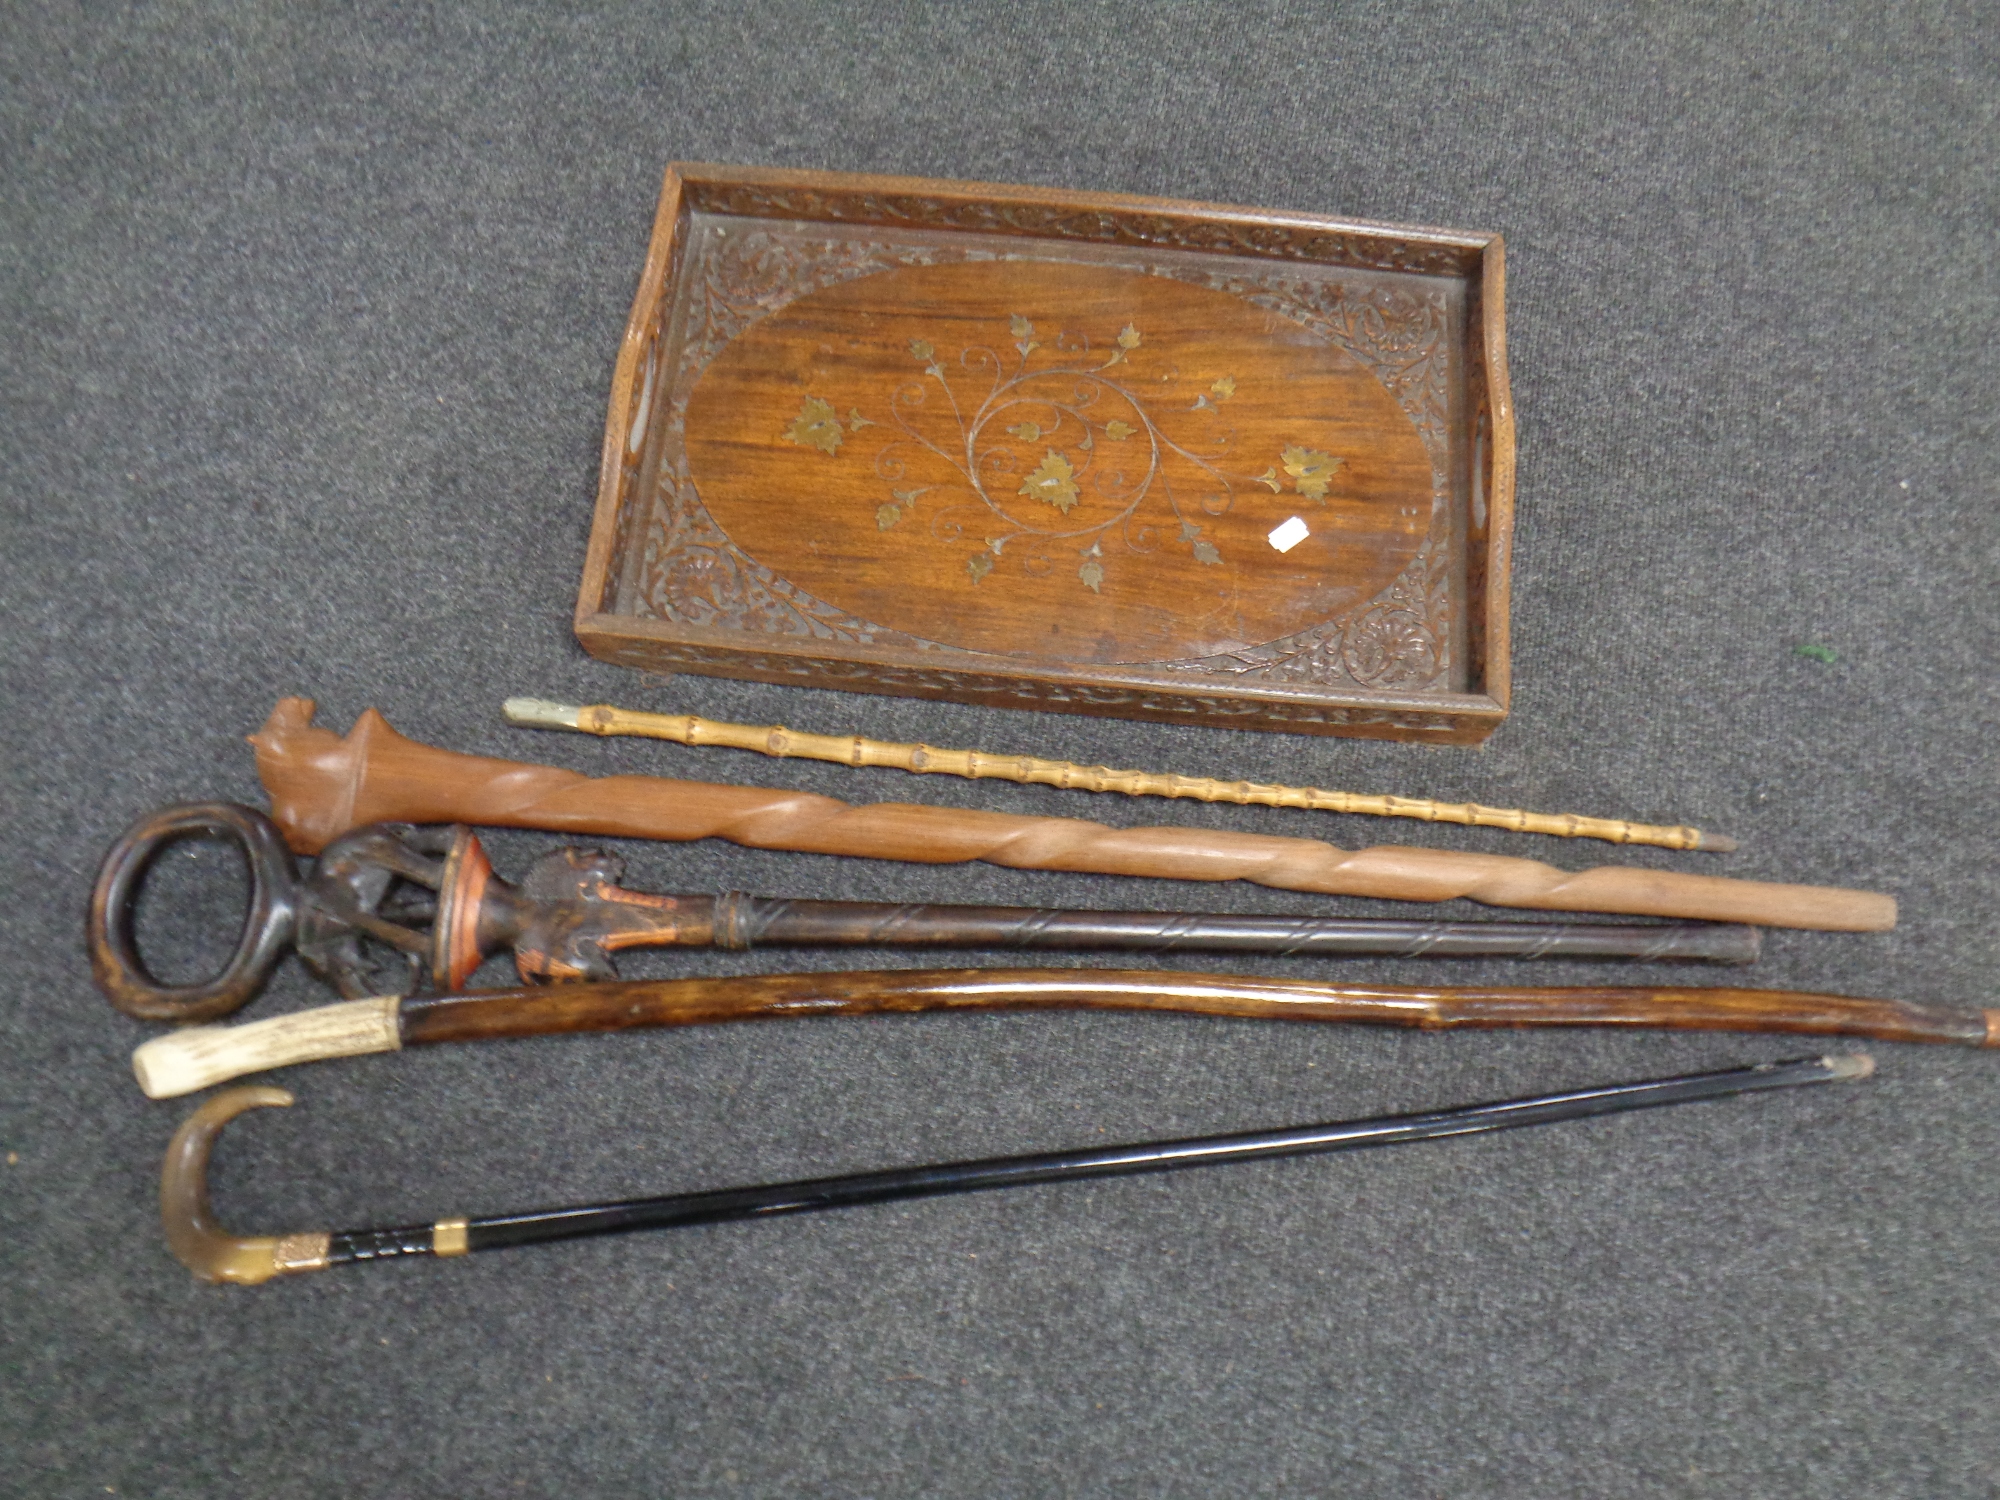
x=197, y=1057
x=322, y=785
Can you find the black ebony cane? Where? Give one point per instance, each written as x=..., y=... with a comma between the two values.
x=215, y=1255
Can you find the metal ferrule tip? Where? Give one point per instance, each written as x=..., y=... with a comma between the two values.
x=539, y=713
x=1846, y=1065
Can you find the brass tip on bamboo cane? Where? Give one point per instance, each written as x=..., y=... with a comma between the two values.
x=540, y=713
x=204, y=1246
x=859, y=750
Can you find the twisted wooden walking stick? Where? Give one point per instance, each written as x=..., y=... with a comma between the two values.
x=322, y=785
x=979, y=765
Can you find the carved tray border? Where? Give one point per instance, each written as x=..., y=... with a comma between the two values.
x=1385, y=634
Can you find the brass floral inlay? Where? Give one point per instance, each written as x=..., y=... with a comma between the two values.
x=1054, y=481
x=888, y=515
x=1311, y=471
x=1057, y=405
x=818, y=427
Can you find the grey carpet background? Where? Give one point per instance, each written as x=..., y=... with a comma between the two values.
x=309, y=320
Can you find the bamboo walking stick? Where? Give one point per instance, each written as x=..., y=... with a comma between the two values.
x=198, y=1057
x=322, y=785
x=856, y=750
x=214, y=1254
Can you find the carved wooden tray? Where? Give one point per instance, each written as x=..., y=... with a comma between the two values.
x=1094, y=454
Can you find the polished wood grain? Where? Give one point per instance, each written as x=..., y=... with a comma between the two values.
x=1054, y=496
x=1030, y=447
x=198, y=1057
x=634, y=1004
x=322, y=785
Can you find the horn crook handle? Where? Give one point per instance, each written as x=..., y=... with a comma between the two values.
x=268, y=924
x=202, y=1245
x=213, y=1254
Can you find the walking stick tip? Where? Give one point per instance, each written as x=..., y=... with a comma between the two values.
x=1850, y=1065
x=1717, y=843
x=540, y=713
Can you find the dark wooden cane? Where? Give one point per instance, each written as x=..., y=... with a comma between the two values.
x=201, y=1056
x=429, y=897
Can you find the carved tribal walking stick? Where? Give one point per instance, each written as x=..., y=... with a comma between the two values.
x=569, y=916
x=200, y=1056
x=975, y=765
x=322, y=786
x=214, y=1254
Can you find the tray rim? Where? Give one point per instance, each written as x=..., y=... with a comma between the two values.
x=1481, y=262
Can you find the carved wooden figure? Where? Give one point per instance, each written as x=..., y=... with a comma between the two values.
x=428, y=899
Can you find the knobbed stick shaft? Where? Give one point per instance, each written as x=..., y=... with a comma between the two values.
x=321, y=786
x=568, y=918
x=974, y=765
x=742, y=922
x=213, y=1254
x=200, y=1056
